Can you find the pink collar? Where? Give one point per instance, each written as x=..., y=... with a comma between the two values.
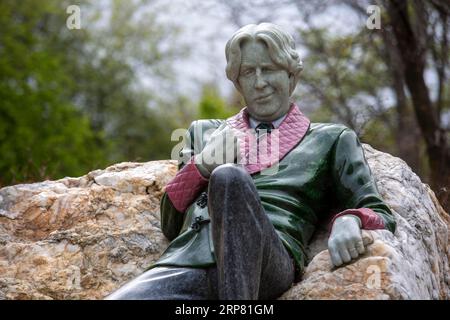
x=281, y=141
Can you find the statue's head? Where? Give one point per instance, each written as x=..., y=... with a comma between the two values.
x=264, y=67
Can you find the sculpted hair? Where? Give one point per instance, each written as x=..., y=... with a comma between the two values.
x=281, y=47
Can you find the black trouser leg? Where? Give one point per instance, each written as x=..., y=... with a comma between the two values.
x=252, y=262
x=170, y=283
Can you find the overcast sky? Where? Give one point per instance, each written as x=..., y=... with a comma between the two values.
x=206, y=26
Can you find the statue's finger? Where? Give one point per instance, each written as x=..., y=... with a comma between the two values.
x=236, y=147
x=343, y=251
x=367, y=237
x=360, y=247
x=219, y=130
x=353, y=251
x=334, y=255
x=230, y=151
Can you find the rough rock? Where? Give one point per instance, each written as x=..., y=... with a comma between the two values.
x=81, y=238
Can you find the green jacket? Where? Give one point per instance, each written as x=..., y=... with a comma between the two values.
x=325, y=172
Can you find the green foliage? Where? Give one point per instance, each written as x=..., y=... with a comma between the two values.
x=379, y=136
x=341, y=72
x=321, y=114
x=42, y=135
x=71, y=100
x=212, y=105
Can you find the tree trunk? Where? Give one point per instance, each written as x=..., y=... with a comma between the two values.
x=413, y=52
x=407, y=134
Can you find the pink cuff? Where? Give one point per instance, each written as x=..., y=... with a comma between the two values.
x=185, y=186
x=369, y=219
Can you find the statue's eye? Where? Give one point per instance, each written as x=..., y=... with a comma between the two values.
x=247, y=72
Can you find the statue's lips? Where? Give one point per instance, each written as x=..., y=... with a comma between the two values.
x=264, y=98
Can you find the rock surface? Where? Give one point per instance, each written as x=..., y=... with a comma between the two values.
x=81, y=238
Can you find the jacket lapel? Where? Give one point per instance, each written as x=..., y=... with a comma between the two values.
x=272, y=149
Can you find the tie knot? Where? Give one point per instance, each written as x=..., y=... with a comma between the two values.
x=268, y=126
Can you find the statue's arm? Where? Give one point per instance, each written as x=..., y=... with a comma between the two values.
x=357, y=194
x=171, y=219
x=181, y=189
x=355, y=186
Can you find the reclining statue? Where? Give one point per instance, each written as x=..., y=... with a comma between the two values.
x=239, y=216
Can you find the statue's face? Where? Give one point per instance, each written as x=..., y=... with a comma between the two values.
x=264, y=85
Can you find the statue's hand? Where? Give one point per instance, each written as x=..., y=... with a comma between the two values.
x=345, y=242
x=221, y=148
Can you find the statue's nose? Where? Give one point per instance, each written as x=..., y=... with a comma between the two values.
x=260, y=81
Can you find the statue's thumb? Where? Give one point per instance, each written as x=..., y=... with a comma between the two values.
x=366, y=237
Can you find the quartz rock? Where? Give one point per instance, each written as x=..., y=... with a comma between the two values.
x=82, y=238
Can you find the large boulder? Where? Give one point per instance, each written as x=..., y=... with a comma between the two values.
x=81, y=238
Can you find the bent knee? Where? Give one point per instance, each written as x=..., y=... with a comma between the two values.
x=229, y=173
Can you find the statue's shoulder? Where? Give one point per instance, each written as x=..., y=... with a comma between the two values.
x=330, y=129
x=205, y=124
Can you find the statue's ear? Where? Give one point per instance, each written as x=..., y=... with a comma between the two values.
x=292, y=83
x=237, y=86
